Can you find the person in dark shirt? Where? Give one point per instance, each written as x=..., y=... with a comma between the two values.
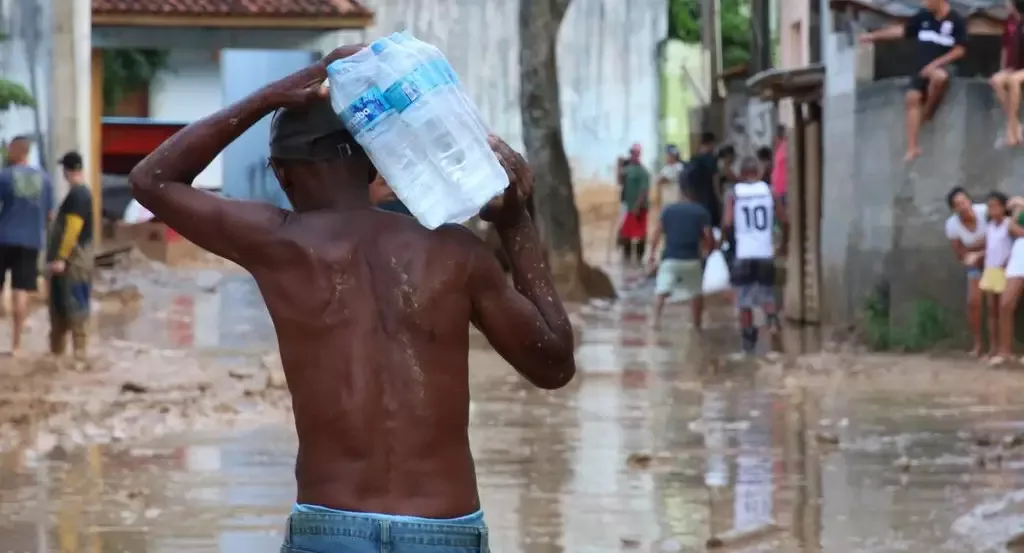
x=940, y=35
x=1008, y=81
x=686, y=226
x=70, y=260
x=700, y=177
x=764, y=160
x=26, y=203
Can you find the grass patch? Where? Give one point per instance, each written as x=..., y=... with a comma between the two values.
x=927, y=326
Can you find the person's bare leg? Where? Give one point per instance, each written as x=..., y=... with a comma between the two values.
x=1013, y=109
x=659, y=307
x=974, y=299
x=1000, y=86
x=1007, y=310
x=992, y=301
x=697, y=312
x=913, y=123
x=938, y=82
x=19, y=310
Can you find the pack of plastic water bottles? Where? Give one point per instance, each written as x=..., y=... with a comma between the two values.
x=403, y=103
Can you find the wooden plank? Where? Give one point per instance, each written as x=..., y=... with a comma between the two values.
x=794, y=293
x=812, y=222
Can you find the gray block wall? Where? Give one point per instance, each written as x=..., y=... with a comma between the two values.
x=883, y=220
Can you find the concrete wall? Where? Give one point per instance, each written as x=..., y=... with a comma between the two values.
x=188, y=90
x=883, y=220
x=608, y=69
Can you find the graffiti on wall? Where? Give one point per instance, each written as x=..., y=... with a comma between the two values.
x=750, y=123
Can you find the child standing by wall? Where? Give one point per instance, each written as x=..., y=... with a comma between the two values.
x=998, y=243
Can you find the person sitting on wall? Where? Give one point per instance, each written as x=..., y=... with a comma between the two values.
x=940, y=36
x=1008, y=80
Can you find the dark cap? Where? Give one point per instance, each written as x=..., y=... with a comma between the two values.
x=312, y=132
x=72, y=161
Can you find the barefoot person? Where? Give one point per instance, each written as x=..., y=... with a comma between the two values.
x=372, y=314
x=750, y=213
x=940, y=39
x=1014, y=281
x=26, y=204
x=686, y=226
x=1008, y=81
x=998, y=243
x=965, y=230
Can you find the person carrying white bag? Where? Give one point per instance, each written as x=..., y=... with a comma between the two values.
x=751, y=212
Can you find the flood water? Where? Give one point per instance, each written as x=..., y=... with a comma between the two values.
x=652, y=448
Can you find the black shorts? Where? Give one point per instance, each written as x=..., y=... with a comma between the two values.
x=920, y=84
x=23, y=263
x=753, y=271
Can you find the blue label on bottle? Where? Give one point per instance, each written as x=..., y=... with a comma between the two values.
x=365, y=112
x=412, y=87
x=442, y=66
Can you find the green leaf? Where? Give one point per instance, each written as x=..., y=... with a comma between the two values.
x=14, y=94
x=684, y=24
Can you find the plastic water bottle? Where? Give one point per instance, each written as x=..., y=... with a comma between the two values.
x=359, y=101
x=436, y=114
x=438, y=64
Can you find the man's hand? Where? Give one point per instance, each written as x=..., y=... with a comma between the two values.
x=57, y=267
x=509, y=206
x=866, y=38
x=308, y=85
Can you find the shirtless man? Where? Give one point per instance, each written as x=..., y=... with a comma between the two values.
x=372, y=314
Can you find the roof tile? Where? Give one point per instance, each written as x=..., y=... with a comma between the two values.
x=283, y=8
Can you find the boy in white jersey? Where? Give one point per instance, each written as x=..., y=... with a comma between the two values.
x=751, y=212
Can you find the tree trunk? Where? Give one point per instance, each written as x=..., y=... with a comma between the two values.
x=555, y=207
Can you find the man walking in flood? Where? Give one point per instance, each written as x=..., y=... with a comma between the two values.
x=69, y=257
x=26, y=204
x=373, y=330
x=750, y=213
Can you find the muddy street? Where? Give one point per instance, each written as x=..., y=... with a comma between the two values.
x=177, y=437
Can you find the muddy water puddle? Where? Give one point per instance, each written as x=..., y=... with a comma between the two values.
x=650, y=449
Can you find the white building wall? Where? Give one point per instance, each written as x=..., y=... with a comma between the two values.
x=188, y=90
x=608, y=69
x=17, y=19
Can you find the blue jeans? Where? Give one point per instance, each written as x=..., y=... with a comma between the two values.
x=313, y=529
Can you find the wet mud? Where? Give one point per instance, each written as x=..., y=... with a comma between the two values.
x=176, y=436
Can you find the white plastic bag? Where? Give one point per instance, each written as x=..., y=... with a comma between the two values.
x=716, y=274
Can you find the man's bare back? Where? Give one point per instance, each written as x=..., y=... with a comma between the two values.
x=372, y=310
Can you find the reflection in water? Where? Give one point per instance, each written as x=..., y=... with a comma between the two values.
x=728, y=454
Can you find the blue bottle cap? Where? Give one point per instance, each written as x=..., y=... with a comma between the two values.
x=379, y=45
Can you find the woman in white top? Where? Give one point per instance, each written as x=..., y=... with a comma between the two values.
x=965, y=230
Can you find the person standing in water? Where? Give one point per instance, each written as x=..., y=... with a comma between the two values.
x=373, y=331
x=69, y=256
x=750, y=215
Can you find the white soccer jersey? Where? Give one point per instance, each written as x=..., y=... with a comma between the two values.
x=754, y=220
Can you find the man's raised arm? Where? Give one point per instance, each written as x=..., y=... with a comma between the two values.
x=237, y=230
x=526, y=324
